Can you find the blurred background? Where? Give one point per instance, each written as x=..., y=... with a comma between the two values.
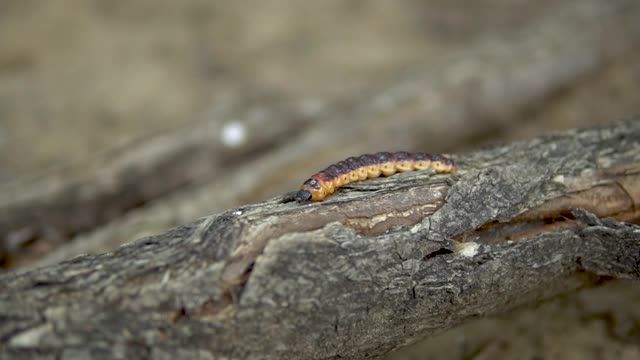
x=123, y=119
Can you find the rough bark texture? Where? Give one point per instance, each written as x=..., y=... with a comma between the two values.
x=434, y=104
x=378, y=265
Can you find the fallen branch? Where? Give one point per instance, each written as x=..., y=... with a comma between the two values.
x=481, y=87
x=378, y=265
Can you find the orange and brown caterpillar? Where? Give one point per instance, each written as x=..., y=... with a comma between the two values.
x=367, y=166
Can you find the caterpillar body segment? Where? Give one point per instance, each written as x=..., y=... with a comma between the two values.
x=363, y=167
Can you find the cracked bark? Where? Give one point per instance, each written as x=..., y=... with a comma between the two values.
x=379, y=265
x=469, y=93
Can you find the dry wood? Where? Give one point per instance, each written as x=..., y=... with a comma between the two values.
x=380, y=264
x=420, y=110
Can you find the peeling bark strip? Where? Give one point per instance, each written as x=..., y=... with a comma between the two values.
x=375, y=267
x=363, y=167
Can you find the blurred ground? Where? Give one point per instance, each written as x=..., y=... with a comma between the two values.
x=116, y=72
x=82, y=78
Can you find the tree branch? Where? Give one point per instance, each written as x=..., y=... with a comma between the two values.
x=380, y=264
x=491, y=81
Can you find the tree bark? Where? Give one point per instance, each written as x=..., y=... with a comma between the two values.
x=378, y=265
x=491, y=80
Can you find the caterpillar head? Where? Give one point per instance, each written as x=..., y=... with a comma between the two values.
x=303, y=196
x=311, y=190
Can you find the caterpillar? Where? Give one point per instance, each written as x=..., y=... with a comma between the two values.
x=363, y=167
